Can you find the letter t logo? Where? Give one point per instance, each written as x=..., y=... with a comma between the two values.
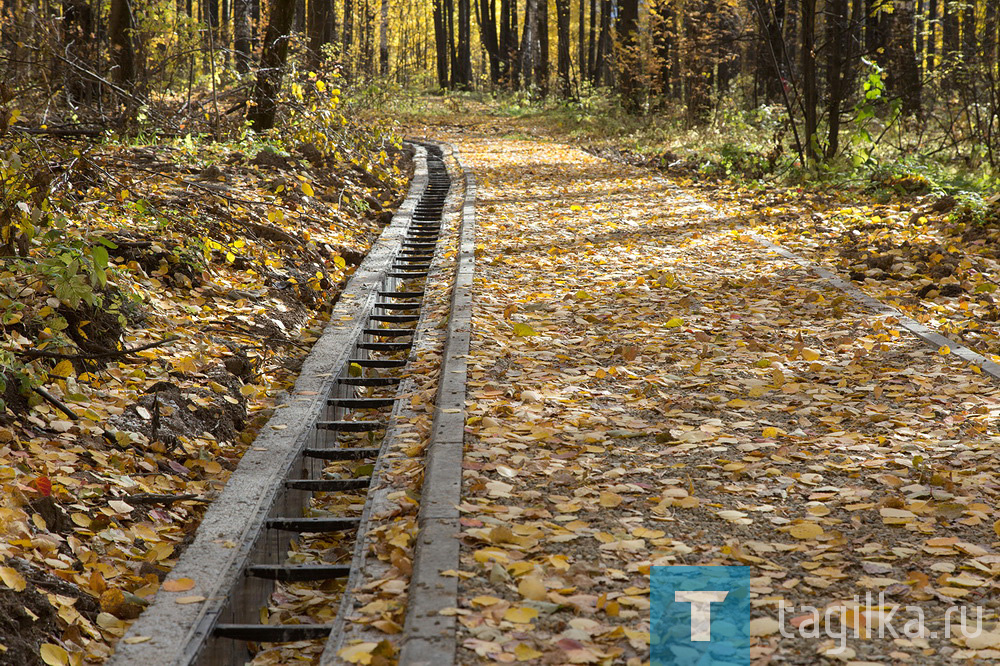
x=701, y=611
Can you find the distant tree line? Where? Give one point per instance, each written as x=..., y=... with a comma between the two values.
x=935, y=60
x=822, y=63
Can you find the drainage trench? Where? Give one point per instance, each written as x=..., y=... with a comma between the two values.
x=304, y=544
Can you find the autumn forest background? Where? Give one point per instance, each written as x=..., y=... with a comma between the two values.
x=821, y=78
x=186, y=185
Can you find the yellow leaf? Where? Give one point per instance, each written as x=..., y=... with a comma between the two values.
x=230, y=257
x=944, y=350
x=339, y=262
x=185, y=364
x=523, y=330
x=53, y=655
x=520, y=615
x=64, y=368
x=525, y=652
x=770, y=432
x=178, y=585
x=193, y=599
x=532, y=587
x=810, y=354
x=360, y=653
x=308, y=190
x=81, y=519
x=12, y=579
x=806, y=531
x=485, y=600
x=132, y=640
x=610, y=500
x=896, y=516
x=761, y=626
x=674, y=322
x=996, y=527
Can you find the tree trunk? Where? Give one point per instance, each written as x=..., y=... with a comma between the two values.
x=728, y=58
x=969, y=42
x=949, y=29
x=441, y=44
x=317, y=24
x=505, y=44
x=242, y=35
x=991, y=40
x=449, y=23
x=919, y=30
x=592, y=50
x=488, y=35
x=122, y=52
x=809, y=93
x=383, y=40
x=662, y=44
x=272, y=65
x=931, y=22
x=365, y=38
x=542, y=61
x=528, y=41
x=698, y=67
x=602, y=62
x=78, y=43
x=581, y=54
x=347, y=38
x=837, y=39
x=563, y=46
x=463, y=69
x=254, y=24
x=904, y=77
x=771, y=19
x=629, y=64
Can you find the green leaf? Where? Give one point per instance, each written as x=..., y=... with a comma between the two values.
x=100, y=255
x=523, y=330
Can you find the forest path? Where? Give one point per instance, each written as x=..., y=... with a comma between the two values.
x=650, y=386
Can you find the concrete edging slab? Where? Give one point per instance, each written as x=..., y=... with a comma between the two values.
x=428, y=337
x=923, y=333
x=428, y=636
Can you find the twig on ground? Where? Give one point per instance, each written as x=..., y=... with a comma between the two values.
x=55, y=402
x=42, y=353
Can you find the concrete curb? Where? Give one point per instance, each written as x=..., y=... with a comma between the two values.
x=175, y=631
x=428, y=337
x=923, y=333
x=428, y=636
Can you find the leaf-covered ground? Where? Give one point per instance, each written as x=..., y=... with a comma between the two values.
x=226, y=258
x=649, y=386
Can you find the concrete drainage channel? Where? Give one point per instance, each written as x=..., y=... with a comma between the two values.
x=327, y=440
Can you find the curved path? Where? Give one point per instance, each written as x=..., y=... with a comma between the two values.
x=648, y=385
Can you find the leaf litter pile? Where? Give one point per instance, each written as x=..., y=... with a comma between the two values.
x=648, y=386
x=928, y=256
x=162, y=301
